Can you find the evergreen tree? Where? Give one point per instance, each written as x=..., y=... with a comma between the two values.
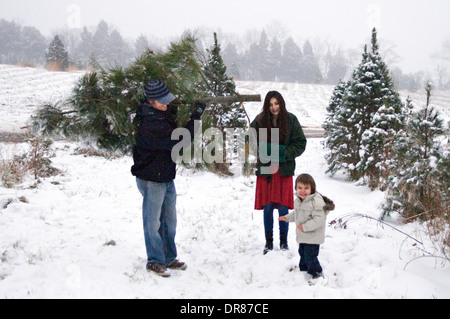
x=290, y=62
x=337, y=68
x=84, y=50
x=371, y=114
x=310, y=66
x=218, y=83
x=383, y=117
x=92, y=63
x=232, y=59
x=419, y=183
x=57, y=55
x=141, y=45
x=19, y=44
x=217, y=80
x=103, y=102
x=119, y=52
x=263, y=56
x=339, y=132
x=256, y=60
x=343, y=127
x=274, y=61
x=10, y=34
x=100, y=44
x=33, y=45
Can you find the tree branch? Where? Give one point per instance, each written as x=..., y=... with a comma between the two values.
x=229, y=99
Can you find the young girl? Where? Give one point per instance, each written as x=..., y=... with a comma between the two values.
x=310, y=215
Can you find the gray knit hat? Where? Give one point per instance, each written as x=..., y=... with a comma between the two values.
x=157, y=91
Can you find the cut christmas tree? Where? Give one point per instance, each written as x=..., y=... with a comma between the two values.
x=103, y=103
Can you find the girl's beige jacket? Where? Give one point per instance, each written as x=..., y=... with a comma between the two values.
x=312, y=214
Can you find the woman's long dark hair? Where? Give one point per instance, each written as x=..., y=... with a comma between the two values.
x=266, y=118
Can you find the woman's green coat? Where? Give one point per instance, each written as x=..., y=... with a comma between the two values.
x=294, y=147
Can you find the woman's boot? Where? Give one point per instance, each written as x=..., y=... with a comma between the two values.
x=283, y=241
x=269, y=243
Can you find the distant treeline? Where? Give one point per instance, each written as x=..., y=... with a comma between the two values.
x=262, y=59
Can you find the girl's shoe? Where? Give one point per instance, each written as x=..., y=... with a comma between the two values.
x=315, y=279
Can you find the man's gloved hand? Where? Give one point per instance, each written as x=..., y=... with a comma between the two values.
x=199, y=108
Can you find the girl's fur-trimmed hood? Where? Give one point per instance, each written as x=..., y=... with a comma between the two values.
x=329, y=204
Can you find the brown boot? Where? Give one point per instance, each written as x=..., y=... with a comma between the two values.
x=177, y=265
x=158, y=269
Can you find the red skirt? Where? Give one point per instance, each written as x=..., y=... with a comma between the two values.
x=279, y=191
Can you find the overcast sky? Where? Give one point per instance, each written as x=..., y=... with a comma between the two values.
x=417, y=28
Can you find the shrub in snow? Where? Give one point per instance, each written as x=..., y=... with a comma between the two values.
x=36, y=162
x=419, y=182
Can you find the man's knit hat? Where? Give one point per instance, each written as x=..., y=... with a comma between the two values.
x=157, y=91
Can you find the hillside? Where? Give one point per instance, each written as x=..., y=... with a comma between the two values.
x=23, y=89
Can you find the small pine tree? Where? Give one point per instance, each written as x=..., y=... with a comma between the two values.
x=92, y=63
x=361, y=128
x=419, y=183
x=383, y=118
x=57, y=56
x=218, y=83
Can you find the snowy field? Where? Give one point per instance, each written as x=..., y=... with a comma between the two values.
x=79, y=234
x=22, y=89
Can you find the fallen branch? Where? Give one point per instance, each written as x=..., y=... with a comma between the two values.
x=345, y=220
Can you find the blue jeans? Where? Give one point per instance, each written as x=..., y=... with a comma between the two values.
x=268, y=218
x=160, y=220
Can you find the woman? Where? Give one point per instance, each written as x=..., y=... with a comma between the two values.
x=274, y=184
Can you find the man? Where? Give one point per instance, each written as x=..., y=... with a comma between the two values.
x=155, y=173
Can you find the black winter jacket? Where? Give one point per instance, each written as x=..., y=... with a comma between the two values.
x=153, y=151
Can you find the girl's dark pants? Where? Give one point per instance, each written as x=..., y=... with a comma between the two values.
x=308, y=259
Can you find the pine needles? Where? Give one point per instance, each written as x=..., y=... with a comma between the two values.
x=103, y=103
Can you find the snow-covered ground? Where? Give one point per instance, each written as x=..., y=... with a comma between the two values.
x=23, y=89
x=56, y=238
